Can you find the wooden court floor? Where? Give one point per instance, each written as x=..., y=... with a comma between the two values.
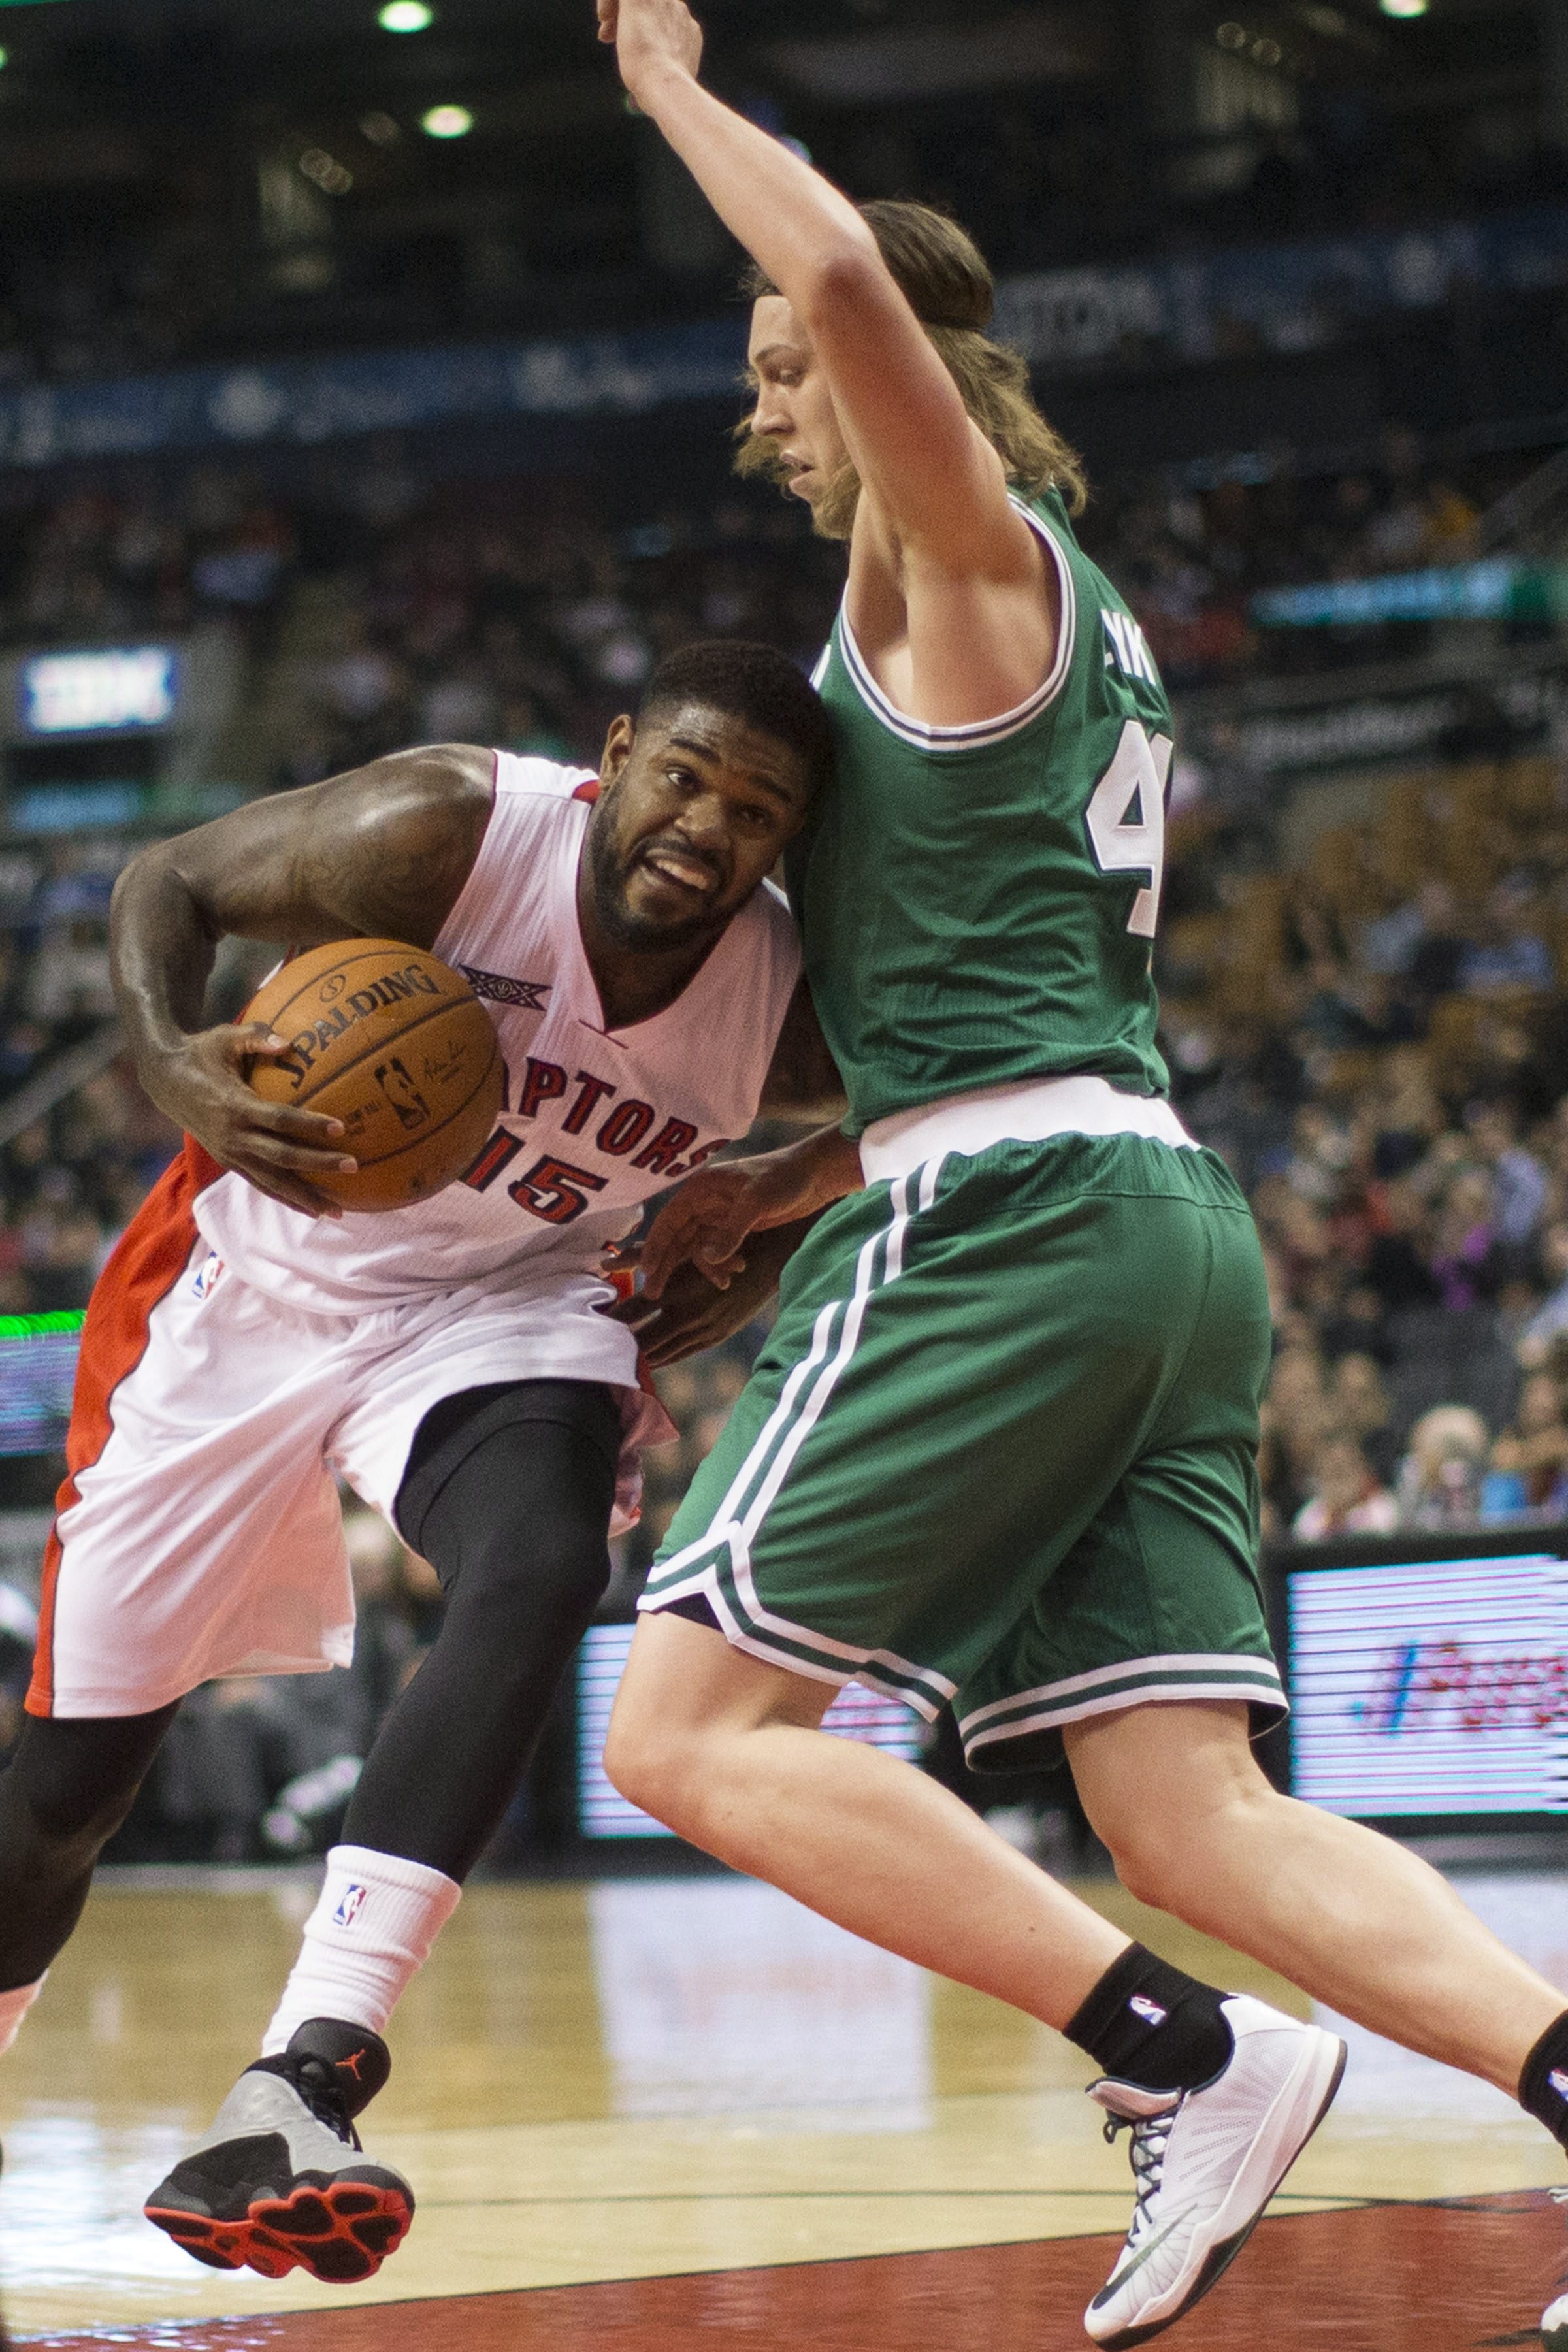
x=657, y=2113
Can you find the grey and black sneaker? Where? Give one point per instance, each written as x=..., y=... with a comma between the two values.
x=280, y=2180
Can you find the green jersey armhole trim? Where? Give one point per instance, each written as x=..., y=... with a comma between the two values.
x=978, y=733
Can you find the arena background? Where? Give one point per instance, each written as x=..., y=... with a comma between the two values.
x=366, y=381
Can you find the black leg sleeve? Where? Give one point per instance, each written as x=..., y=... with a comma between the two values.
x=507, y=1496
x=63, y=1795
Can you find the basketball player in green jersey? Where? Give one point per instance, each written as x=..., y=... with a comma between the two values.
x=999, y=1450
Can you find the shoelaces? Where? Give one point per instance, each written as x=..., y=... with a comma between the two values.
x=1148, y=2153
x=317, y=2085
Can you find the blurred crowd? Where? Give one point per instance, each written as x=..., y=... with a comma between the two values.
x=1377, y=1045
x=1189, y=561
x=521, y=611
x=519, y=621
x=72, y=1178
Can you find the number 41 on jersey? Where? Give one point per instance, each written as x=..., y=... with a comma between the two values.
x=1126, y=819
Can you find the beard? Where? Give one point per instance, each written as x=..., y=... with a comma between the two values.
x=607, y=880
x=760, y=459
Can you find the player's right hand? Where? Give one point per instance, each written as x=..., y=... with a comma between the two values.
x=709, y=1218
x=648, y=34
x=200, y=1084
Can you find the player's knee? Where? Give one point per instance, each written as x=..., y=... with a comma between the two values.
x=1144, y=1842
x=512, y=1580
x=1143, y=1867
x=62, y=1821
x=655, y=1766
x=1164, y=1853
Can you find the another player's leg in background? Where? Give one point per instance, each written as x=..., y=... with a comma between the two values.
x=507, y=1494
x=66, y=1791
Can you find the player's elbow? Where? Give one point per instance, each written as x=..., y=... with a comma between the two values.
x=842, y=281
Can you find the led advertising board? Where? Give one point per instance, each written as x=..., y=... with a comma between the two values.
x=1426, y=1687
x=603, y=1812
x=38, y=1373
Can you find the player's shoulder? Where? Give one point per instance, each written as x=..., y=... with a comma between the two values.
x=522, y=776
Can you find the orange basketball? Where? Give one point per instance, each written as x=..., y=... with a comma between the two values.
x=385, y=1037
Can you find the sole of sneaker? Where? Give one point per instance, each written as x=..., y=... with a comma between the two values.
x=1301, y=2105
x=340, y=2231
x=1554, y=2326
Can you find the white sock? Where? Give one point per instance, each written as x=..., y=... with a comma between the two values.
x=367, y=1938
x=14, y=2007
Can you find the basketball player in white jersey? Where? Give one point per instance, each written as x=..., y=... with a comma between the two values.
x=452, y=1360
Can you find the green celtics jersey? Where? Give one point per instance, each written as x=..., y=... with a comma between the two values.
x=978, y=902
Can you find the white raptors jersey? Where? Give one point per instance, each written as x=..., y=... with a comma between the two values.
x=595, y=1120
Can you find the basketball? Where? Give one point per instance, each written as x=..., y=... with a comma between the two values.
x=386, y=1038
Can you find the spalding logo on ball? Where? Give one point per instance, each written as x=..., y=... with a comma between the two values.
x=386, y=1038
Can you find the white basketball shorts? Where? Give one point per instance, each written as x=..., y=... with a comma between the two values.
x=198, y=1533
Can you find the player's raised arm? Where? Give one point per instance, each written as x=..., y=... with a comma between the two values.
x=380, y=853
x=938, y=484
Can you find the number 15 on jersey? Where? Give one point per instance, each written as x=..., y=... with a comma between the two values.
x=1126, y=819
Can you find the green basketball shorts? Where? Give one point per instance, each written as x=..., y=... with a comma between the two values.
x=999, y=1450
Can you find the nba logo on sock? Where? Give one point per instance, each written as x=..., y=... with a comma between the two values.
x=1148, y=2011
x=351, y=1907
x=1558, y=2082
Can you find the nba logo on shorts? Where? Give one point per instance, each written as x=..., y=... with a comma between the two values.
x=206, y=1274
x=1148, y=2011
x=351, y=1907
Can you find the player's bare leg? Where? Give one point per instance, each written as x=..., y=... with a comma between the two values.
x=1196, y=1829
x=726, y=1749
x=1220, y=2093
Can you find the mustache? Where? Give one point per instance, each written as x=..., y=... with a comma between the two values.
x=761, y=459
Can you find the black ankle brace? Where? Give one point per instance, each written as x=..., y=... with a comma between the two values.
x=1543, y=2084
x=1146, y=2023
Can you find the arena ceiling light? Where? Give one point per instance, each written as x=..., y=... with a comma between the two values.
x=1404, y=7
x=405, y=16
x=331, y=176
x=447, y=122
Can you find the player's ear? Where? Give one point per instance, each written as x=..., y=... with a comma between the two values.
x=617, y=747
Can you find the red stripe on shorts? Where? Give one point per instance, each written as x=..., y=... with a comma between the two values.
x=146, y=1262
x=624, y=1283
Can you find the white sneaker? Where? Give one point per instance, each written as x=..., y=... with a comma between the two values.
x=1555, y=2325
x=1206, y=2162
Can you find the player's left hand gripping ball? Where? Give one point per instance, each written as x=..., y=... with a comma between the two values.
x=386, y=1038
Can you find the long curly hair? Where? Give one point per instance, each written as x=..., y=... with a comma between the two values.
x=941, y=274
